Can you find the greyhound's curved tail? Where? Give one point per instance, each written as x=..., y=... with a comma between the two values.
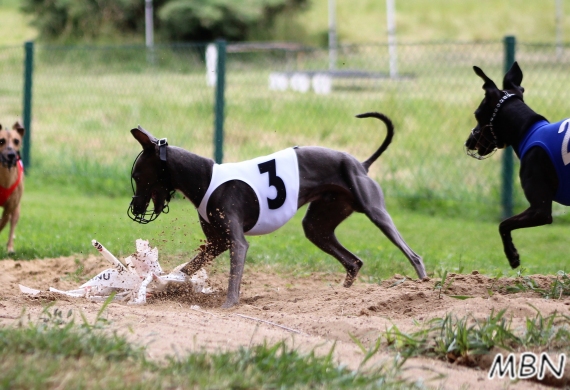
x=387, y=140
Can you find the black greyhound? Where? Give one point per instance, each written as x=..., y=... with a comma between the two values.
x=504, y=119
x=231, y=204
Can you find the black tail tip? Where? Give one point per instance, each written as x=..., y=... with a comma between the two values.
x=369, y=115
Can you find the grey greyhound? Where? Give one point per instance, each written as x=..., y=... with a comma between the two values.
x=263, y=195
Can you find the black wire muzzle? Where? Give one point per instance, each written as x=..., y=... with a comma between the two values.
x=149, y=216
x=480, y=134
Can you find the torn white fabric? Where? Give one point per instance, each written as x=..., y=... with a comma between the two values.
x=139, y=276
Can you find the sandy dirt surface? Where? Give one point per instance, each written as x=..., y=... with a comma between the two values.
x=309, y=313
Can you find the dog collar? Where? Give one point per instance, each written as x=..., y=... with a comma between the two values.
x=505, y=97
x=5, y=193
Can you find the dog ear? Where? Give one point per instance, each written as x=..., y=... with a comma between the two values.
x=489, y=84
x=513, y=78
x=19, y=128
x=146, y=139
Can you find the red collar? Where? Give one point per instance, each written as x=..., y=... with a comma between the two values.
x=6, y=192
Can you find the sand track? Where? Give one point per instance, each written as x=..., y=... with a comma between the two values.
x=310, y=313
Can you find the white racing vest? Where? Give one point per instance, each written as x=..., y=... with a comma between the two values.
x=275, y=181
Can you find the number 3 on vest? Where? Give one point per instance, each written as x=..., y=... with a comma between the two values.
x=275, y=181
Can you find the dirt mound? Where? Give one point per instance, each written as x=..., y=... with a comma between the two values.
x=312, y=312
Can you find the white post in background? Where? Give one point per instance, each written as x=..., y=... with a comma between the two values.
x=332, y=35
x=149, y=25
x=149, y=30
x=559, y=23
x=391, y=23
x=211, y=64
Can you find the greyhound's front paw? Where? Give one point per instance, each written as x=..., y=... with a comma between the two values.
x=351, y=273
x=512, y=254
x=515, y=261
x=349, y=280
x=513, y=257
x=229, y=303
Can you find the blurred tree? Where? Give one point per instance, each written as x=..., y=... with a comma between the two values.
x=209, y=19
x=80, y=20
x=175, y=20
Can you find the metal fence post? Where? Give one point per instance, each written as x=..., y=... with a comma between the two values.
x=27, y=114
x=508, y=163
x=219, y=103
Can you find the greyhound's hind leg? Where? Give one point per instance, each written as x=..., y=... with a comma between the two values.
x=381, y=218
x=371, y=199
x=320, y=222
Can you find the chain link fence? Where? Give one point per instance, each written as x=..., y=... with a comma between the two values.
x=86, y=99
x=11, y=84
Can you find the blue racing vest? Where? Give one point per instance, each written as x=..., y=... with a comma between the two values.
x=553, y=138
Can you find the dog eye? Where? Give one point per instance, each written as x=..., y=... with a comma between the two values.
x=2, y=141
x=16, y=142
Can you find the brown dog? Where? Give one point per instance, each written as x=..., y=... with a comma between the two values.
x=11, y=178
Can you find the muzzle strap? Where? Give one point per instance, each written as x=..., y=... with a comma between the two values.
x=162, y=144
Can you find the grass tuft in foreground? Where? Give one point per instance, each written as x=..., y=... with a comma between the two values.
x=276, y=366
x=58, y=352
x=61, y=336
x=461, y=340
x=557, y=289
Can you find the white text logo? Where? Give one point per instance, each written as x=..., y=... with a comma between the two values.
x=530, y=365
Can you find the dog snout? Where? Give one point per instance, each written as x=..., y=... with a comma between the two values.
x=138, y=205
x=159, y=200
x=471, y=142
x=11, y=155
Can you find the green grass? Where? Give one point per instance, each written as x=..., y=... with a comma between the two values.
x=57, y=222
x=87, y=100
x=57, y=350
